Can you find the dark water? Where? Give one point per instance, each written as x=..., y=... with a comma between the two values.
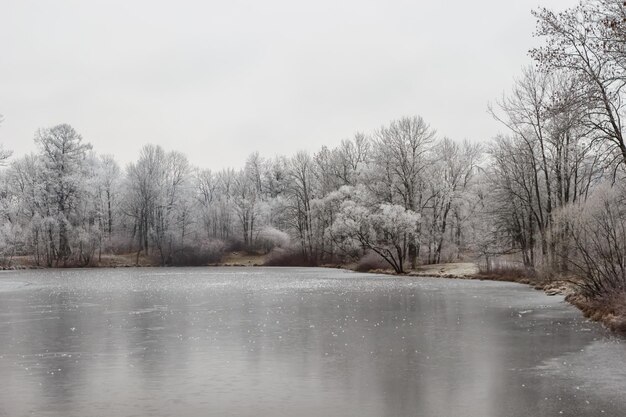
x=296, y=342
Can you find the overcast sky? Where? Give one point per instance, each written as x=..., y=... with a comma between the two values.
x=219, y=79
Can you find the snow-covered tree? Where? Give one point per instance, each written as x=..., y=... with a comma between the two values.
x=384, y=228
x=4, y=153
x=63, y=154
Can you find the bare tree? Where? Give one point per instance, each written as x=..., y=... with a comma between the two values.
x=4, y=153
x=400, y=160
x=598, y=229
x=245, y=196
x=581, y=40
x=553, y=161
x=454, y=169
x=301, y=193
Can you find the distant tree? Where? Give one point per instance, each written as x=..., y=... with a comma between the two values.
x=399, y=162
x=63, y=154
x=454, y=171
x=4, y=153
x=245, y=197
x=206, y=194
x=348, y=159
x=300, y=193
x=158, y=200
x=109, y=175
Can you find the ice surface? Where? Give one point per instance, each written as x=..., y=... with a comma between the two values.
x=296, y=342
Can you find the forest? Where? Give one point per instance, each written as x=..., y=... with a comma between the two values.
x=547, y=196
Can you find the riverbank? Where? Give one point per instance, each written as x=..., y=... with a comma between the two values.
x=610, y=312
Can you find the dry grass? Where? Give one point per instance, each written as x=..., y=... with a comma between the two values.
x=124, y=260
x=446, y=270
x=508, y=271
x=284, y=257
x=242, y=259
x=105, y=261
x=131, y=260
x=610, y=310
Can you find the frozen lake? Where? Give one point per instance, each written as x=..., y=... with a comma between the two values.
x=296, y=342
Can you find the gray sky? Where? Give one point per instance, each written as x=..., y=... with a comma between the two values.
x=219, y=79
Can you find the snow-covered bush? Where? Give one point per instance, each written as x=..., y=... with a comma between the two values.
x=270, y=238
x=383, y=229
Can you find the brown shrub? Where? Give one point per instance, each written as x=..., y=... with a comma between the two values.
x=371, y=261
x=508, y=271
x=204, y=253
x=287, y=257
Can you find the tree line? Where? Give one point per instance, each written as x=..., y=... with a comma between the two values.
x=388, y=193
x=549, y=191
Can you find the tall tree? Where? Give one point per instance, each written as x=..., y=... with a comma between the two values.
x=63, y=153
x=587, y=41
x=400, y=160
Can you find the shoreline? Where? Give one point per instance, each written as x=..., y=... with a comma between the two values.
x=609, y=313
